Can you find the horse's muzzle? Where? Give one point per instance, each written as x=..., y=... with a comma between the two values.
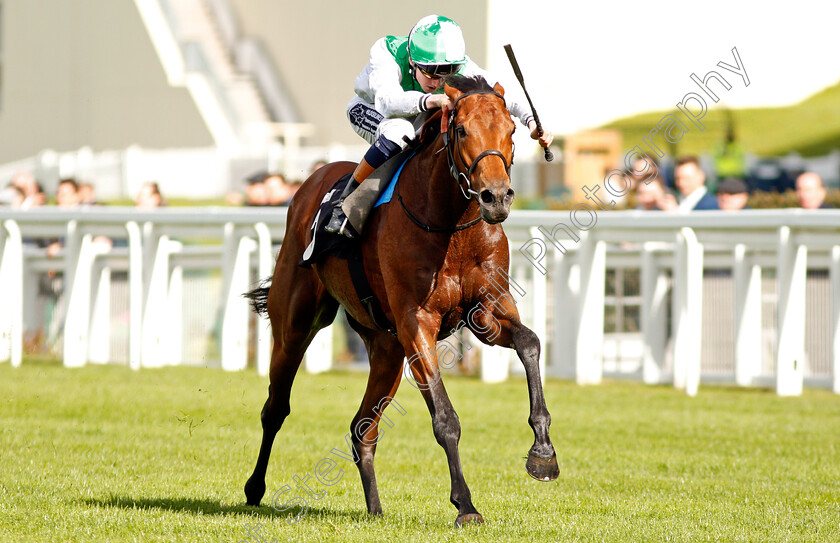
x=495, y=204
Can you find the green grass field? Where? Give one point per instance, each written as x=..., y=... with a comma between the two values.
x=106, y=454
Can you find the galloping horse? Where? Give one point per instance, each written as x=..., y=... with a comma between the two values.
x=436, y=252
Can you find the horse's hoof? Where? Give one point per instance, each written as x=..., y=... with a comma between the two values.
x=542, y=469
x=254, y=491
x=469, y=518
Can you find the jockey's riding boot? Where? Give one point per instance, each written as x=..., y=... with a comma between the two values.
x=339, y=224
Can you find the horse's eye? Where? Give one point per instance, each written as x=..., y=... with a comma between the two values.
x=462, y=132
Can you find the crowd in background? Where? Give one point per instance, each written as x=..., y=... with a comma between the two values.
x=265, y=188
x=25, y=192
x=680, y=187
x=269, y=189
x=262, y=188
x=689, y=192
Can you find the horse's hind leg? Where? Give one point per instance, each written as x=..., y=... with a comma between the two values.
x=297, y=313
x=386, y=356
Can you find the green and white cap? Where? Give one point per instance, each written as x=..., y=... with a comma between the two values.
x=436, y=45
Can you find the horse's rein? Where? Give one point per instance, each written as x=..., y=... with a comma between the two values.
x=451, y=136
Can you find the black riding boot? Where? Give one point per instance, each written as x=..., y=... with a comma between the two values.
x=338, y=222
x=381, y=150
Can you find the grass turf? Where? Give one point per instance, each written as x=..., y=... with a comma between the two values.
x=107, y=454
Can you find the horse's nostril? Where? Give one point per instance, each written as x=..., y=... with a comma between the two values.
x=487, y=197
x=510, y=193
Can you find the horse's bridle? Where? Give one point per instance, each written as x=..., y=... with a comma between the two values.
x=451, y=136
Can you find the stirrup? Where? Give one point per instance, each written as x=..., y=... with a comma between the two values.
x=347, y=230
x=339, y=224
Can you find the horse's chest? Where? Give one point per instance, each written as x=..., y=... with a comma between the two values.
x=455, y=283
x=455, y=287
x=446, y=292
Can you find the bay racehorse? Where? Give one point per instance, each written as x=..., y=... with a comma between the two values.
x=432, y=259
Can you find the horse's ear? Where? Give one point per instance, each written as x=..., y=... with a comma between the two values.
x=451, y=92
x=498, y=88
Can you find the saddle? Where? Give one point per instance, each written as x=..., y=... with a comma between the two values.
x=376, y=190
x=323, y=244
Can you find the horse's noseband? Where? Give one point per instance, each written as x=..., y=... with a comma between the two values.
x=451, y=136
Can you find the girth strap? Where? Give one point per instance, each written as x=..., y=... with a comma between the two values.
x=367, y=297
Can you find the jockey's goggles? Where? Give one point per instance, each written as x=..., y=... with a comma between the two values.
x=436, y=71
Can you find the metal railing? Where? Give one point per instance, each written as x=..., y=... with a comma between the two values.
x=750, y=298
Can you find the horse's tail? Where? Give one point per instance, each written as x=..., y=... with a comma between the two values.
x=259, y=297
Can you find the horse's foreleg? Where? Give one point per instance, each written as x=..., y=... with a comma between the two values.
x=386, y=355
x=542, y=460
x=420, y=349
x=504, y=328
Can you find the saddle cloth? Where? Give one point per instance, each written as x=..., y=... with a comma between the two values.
x=323, y=243
x=388, y=193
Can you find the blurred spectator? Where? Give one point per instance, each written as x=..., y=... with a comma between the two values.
x=810, y=191
x=149, y=196
x=653, y=196
x=691, y=182
x=38, y=198
x=278, y=191
x=66, y=197
x=24, y=180
x=12, y=196
x=87, y=194
x=317, y=165
x=642, y=170
x=732, y=194
x=255, y=194
x=33, y=192
x=67, y=193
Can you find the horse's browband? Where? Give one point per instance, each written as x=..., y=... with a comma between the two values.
x=470, y=93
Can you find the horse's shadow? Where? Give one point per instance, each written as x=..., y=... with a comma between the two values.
x=210, y=507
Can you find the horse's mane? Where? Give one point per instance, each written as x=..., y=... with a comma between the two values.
x=465, y=84
x=472, y=83
x=430, y=129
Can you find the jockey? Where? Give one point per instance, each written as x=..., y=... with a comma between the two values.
x=403, y=79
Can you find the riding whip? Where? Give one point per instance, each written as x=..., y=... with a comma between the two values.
x=549, y=156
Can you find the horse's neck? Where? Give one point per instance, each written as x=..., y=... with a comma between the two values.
x=437, y=196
